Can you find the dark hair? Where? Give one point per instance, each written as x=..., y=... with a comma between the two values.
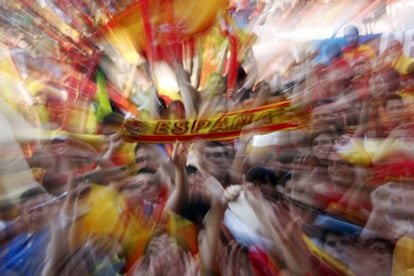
x=389, y=245
x=390, y=98
x=31, y=193
x=195, y=210
x=191, y=169
x=113, y=119
x=147, y=170
x=241, y=75
x=261, y=175
x=162, y=106
x=212, y=144
x=333, y=131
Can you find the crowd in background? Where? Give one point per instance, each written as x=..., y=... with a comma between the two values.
x=332, y=197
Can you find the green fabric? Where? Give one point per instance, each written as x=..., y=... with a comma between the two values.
x=104, y=105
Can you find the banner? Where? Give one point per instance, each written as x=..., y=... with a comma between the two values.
x=226, y=126
x=158, y=27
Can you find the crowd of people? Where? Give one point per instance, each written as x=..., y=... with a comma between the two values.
x=331, y=197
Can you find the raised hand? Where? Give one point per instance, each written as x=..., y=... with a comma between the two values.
x=179, y=155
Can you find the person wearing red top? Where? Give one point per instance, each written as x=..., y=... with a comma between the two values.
x=345, y=193
x=146, y=195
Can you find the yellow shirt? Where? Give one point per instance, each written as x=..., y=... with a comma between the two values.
x=403, y=258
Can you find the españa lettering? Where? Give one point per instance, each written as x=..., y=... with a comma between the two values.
x=218, y=127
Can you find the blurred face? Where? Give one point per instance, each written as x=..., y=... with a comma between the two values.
x=395, y=111
x=195, y=180
x=145, y=186
x=34, y=218
x=340, y=171
x=217, y=156
x=146, y=158
x=377, y=259
x=218, y=161
x=334, y=245
x=323, y=116
x=322, y=145
x=381, y=257
x=109, y=129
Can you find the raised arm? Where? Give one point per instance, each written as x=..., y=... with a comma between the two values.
x=189, y=94
x=209, y=242
x=180, y=193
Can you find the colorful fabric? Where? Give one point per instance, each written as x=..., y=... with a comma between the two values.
x=352, y=54
x=261, y=263
x=323, y=263
x=26, y=254
x=217, y=127
x=150, y=28
x=403, y=258
x=104, y=107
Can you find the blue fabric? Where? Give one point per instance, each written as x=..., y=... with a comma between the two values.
x=334, y=225
x=26, y=255
x=4, y=248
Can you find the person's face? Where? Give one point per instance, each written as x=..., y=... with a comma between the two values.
x=217, y=156
x=340, y=171
x=381, y=256
x=217, y=163
x=109, y=129
x=194, y=178
x=146, y=158
x=334, y=245
x=195, y=185
x=35, y=219
x=395, y=111
x=300, y=192
x=376, y=256
x=323, y=115
x=322, y=145
x=145, y=186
